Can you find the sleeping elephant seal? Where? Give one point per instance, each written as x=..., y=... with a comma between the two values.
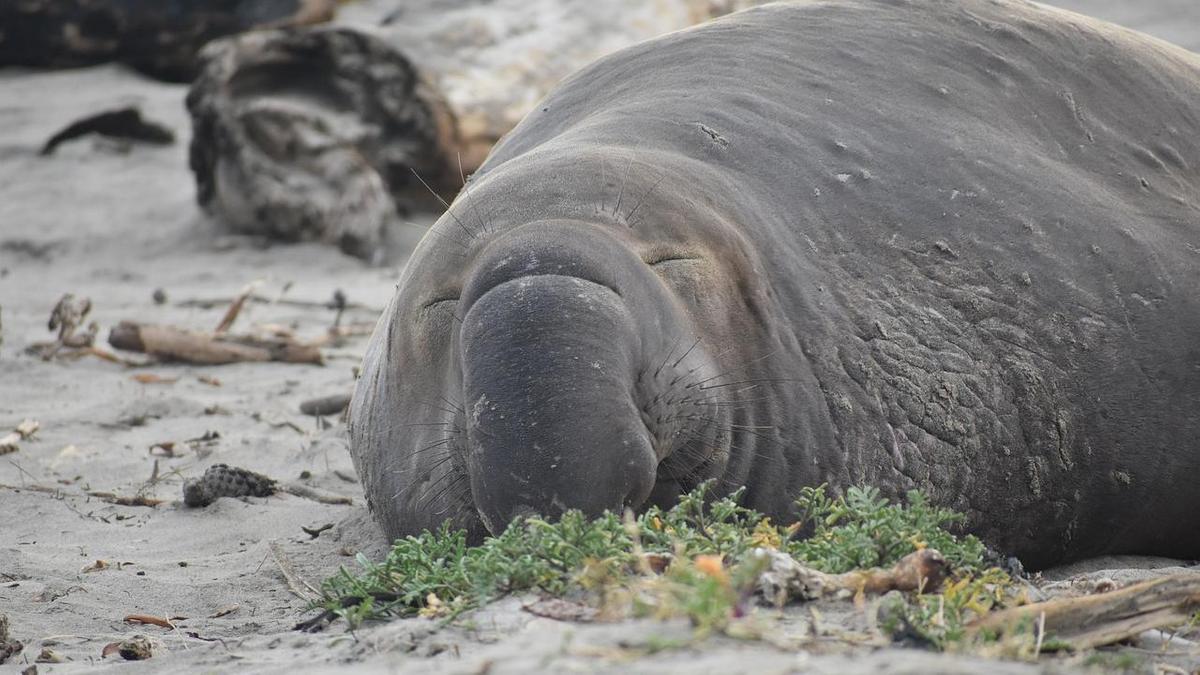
x=942, y=245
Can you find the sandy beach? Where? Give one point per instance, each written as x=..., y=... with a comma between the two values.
x=117, y=223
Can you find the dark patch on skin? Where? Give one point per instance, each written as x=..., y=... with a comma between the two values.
x=964, y=314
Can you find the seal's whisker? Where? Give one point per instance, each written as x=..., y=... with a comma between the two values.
x=450, y=402
x=685, y=354
x=431, y=424
x=457, y=500
x=752, y=430
x=621, y=191
x=643, y=199
x=719, y=403
x=603, y=183
x=431, y=446
x=429, y=501
x=471, y=203
x=758, y=380
x=466, y=229
x=438, y=408
x=430, y=230
x=733, y=369
x=683, y=451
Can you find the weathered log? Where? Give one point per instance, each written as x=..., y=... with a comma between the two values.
x=295, y=137
x=1102, y=619
x=174, y=344
x=157, y=37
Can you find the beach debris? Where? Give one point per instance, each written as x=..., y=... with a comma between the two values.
x=226, y=609
x=1090, y=621
x=785, y=579
x=222, y=480
x=319, y=496
x=104, y=496
x=314, y=532
x=67, y=316
x=169, y=343
x=150, y=620
x=325, y=405
x=561, y=610
x=153, y=378
x=48, y=655
x=296, y=584
x=8, y=646
x=235, y=307
x=22, y=432
x=201, y=445
x=121, y=500
x=27, y=428
x=124, y=124
x=136, y=648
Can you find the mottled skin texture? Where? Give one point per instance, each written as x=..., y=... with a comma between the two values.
x=947, y=245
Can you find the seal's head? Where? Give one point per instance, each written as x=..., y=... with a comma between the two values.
x=538, y=365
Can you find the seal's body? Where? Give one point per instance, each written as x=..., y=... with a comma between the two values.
x=952, y=246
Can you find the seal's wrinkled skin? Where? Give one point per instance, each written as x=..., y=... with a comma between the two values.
x=952, y=246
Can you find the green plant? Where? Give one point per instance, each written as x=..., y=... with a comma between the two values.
x=708, y=579
x=861, y=530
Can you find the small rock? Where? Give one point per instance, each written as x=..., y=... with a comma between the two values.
x=48, y=655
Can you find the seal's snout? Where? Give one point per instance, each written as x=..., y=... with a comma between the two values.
x=548, y=367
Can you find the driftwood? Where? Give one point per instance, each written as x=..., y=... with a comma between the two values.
x=174, y=344
x=326, y=405
x=1102, y=619
x=785, y=579
x=293, y=138
x=158, y=37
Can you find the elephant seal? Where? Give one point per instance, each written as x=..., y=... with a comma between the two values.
x=946, y=245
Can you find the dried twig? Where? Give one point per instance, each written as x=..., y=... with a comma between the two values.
x=107, y=497
x=305, y=492
x=235, y=307
x=147, y=619
x=297, y=585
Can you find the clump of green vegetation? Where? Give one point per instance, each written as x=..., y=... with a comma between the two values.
x=861, y=530
x=705, y=541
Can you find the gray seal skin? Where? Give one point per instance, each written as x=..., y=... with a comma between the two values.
x=947, y=245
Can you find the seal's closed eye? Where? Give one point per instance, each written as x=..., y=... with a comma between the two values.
x=661, y=255
x=439, y=303
x=674, y=259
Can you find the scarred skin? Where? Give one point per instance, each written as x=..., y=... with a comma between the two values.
x=947, y=245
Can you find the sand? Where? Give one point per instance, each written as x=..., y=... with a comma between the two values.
x=114, y=223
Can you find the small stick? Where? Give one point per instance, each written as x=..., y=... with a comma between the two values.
x=147, y=619
x=297, y=585
x=235, y=307
x=305, y=492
